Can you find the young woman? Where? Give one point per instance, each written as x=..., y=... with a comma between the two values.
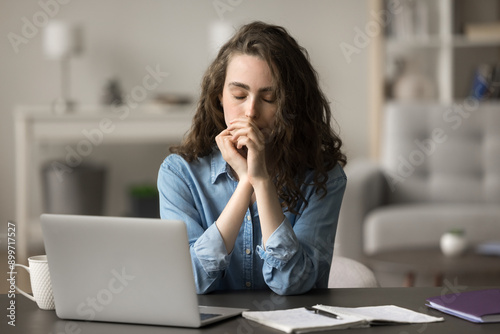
x=258, y=179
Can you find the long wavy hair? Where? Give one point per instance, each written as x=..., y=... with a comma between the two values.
x=302, y=138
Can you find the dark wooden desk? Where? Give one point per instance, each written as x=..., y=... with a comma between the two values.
x=29, y=319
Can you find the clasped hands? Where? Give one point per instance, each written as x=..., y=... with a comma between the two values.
x=243, y=147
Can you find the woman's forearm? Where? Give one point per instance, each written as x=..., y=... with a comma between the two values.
x=270, y=211
x=231, y=218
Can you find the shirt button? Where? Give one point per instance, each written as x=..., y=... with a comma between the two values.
x=248, y=284
x=249, y=218
x=248, y=251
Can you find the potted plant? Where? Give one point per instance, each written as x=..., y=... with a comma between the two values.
x=144, y=201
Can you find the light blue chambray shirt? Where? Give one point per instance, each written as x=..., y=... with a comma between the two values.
x=298, y=254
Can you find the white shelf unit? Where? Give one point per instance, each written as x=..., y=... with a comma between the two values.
x=38, y=126
x=445, y=55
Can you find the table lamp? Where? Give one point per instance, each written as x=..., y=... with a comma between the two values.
x=61, y=41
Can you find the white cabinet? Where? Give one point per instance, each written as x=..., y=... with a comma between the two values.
x=82, y=132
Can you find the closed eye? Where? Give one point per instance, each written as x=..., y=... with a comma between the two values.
x=239, y=97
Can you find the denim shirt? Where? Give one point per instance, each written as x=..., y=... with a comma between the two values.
x=296, y=257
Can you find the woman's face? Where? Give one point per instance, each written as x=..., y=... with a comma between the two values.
x=249, y=92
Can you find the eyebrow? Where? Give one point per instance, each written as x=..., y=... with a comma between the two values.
x=246, y=87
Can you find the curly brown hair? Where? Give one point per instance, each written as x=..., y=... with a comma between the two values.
x=302, y=138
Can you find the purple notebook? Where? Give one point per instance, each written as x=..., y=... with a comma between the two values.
x=476, y=306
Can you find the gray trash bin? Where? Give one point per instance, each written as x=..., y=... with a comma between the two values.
x=80, y=192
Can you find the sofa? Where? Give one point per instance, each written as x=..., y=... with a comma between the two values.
x=439, y=170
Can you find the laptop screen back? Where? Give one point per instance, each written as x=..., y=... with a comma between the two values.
x=134, y=270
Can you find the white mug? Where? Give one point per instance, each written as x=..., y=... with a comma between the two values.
x=40, y=282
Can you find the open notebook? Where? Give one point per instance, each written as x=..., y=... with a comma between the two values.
x=302, y=320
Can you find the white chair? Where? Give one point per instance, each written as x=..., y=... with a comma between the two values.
x=348, y=273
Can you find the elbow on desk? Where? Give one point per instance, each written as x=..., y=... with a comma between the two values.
x=203, y=290
x=296, y=281
x=290, y=290
x=300, y=286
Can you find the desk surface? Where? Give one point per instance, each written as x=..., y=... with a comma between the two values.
x=29, y=319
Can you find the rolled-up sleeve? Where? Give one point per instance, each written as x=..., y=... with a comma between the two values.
x=211, y=251
x=178, y=201
x=297, y=258
x=281, y=246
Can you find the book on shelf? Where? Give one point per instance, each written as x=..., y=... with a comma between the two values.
x=304, y=320
x=480, y=306
x=495, y=82
x=404, y=20
x=486, y=82
x=482, y=31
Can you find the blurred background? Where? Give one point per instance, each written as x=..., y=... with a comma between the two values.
x=94, y=92
x=168, y=43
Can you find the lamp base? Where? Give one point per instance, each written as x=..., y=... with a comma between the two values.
x=61, y=106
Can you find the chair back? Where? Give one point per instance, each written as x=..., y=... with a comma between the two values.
x=348, y=273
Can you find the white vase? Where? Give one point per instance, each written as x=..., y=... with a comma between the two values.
x=453, y=244
x=412, y=84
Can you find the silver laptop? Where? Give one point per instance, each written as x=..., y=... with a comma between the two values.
x=133, y=270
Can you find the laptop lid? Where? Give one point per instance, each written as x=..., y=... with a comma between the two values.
x=133, y=270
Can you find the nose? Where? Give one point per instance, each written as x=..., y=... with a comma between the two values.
x=251, y=110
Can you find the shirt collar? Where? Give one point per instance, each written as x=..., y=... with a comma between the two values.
x=218, y=166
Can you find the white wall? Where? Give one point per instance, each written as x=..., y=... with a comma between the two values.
x=123, y=37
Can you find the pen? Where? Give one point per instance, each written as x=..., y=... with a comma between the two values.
x=325, y=313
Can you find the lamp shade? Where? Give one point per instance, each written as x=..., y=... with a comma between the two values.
x=61, y=40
